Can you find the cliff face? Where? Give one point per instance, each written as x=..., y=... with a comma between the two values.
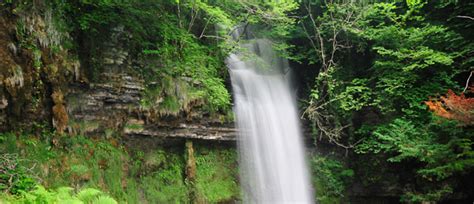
x=6, y=64
x=113, y=103
x=113, y=107
x=42, y=83
x=33, y=66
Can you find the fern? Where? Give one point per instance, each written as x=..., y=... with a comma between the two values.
x=64, y=192
x=88, y=194
x=104, y=199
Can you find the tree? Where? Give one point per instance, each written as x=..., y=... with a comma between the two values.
x=455, y=107
x=377, y=64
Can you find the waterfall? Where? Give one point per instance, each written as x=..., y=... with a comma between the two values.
x=273, y=168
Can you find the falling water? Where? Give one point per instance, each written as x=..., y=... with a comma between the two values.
x=272, y=162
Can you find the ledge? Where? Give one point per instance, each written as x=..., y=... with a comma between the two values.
x=185, y=131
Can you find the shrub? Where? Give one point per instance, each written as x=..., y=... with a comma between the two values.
x=14, y=177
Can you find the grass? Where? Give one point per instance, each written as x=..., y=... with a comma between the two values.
x=217, y=173
x=129, y=176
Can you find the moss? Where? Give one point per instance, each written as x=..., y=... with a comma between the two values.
x=60, y=116
x=79, y=172
x=37, y=64
x=152, y=161
x=84, y=126
x=131, y=176
x=169, y=106
x=134, y=126
x=166, y=184
x=172, y=96
x=32, y=69
x=217, y=173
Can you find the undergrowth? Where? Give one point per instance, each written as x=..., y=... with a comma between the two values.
x=217, y=174
x=44, y=164
x=330, y=178
x=60, y=195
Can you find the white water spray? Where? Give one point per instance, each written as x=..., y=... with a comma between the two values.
x=272, y=162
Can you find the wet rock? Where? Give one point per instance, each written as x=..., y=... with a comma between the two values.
x=188, y=131
x=114, y=104
x=3, y=103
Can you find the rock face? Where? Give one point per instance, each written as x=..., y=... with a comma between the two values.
x=112, y=106
x=186, y=130
x=50, y=87
x=30, y=69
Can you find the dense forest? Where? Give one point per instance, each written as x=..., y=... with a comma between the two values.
x=127, y=101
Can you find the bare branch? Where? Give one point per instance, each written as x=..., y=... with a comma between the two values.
x=466, y=17
x=467, y=82
x=320, y=38
x=309, y=37
x=327, y=47
x=194, y=14
x=205, y=27
x=213, y=36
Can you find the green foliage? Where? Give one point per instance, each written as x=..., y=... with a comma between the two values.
x=196, y=62
x=175, y=40
x=88, y=194
x=167, y=38
x=414, y=59
x=104, y=199
x=166, y=183
x=96, y=166
x=330, y=178
x=373, y=64
x=81, y=162
x=380, y=62
x=355, y=96
x=443, y=150
x=172, y=97
x=61, y=195
x=14, y=177
x=274, y=20
x=185, y=42
x=404, y=56
x=216, y=176
x=217, y=173
x=134, y=126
